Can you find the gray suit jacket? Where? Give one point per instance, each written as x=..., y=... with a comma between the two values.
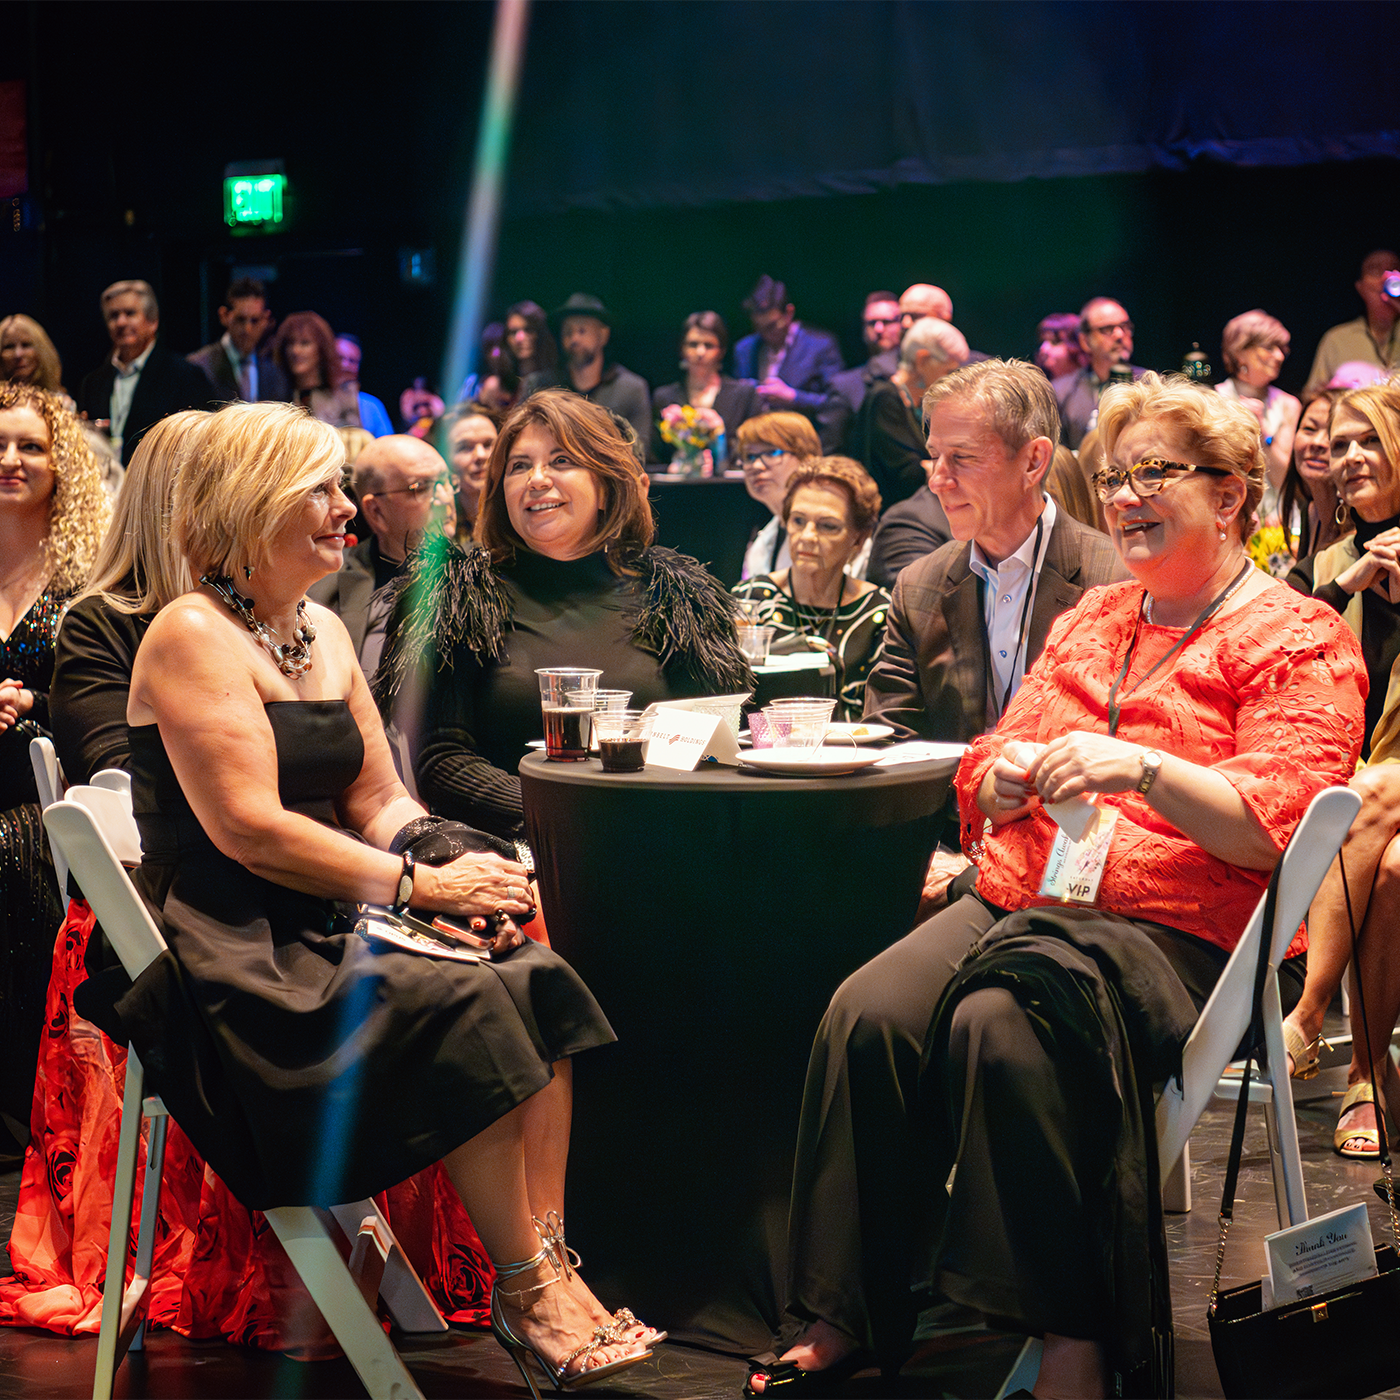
x=931, y=679
x=347, y=593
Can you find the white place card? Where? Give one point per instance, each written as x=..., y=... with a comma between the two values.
x=1326, y=1252
x=680, y=738
x=918, y=751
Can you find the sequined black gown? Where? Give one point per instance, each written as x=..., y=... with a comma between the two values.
x=29, y=905
x=304, y=1065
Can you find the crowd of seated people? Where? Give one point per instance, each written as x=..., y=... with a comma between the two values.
x=978, y=545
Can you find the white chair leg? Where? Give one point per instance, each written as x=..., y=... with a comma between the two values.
x=154, y=1113
x=403, y=1291
x=1176, y=1185
x=123, y=1185
x=1025, y=1371
x=1290, y=1159
x=350, y=1318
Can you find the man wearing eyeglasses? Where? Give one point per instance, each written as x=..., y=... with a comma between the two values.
x=403, y=489
x=881, y=330
x=968, y=621
x=1106, y=337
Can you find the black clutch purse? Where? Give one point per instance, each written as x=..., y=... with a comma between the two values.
x=1339, y=1343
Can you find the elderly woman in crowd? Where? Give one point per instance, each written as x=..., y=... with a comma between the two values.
x=1360, y=578
x=465, y=435
x=770, y=447
x=1310, y=511
x=888, y=432
x=27, y=355
x=704, y=344
x=304, y=349
x=1254, y=347
x=52, y=515
x=829, y=512
x=304, y=1062
x=1178, y=702
x=564, y=531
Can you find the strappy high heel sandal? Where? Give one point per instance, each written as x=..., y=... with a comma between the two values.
x=1305, y=1054
x=558, y=1375
x=567, y=1261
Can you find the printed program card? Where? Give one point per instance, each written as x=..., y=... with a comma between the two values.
x=1319, y=1255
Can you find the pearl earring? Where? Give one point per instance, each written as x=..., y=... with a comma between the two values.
x=1222, y=534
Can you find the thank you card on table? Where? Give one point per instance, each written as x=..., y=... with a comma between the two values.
x=681, y=738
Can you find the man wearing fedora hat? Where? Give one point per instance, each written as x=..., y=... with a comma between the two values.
x=584, y=327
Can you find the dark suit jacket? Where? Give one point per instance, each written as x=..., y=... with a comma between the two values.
x=737, y=400
x=811, y=360
x=167, y=384
x=214, y=361
x=848, y=390
x=347, y=593
x=906, y=532
x=889, y=439
x=1078, y=397
x=931, y=679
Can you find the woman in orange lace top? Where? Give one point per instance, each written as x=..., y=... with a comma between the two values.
x=1201, y=706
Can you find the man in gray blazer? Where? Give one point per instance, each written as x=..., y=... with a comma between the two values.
x=969, y=619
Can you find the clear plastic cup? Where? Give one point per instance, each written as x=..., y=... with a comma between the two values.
x=728, y=707
x=754, y=641
x=622, y=737
x=798, y=726
x=566, y=702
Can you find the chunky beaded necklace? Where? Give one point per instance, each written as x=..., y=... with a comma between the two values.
x=293, y=659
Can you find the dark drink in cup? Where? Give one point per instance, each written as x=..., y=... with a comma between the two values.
x=622, y=755
x=566, y=732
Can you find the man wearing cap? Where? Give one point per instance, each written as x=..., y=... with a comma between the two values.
x=792, y=363
x=585, y=327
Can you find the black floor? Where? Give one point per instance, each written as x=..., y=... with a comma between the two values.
x=952, y=1361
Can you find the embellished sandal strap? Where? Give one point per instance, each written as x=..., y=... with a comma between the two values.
x=506, y=1272
x=601, y=1338
x=551, y=1232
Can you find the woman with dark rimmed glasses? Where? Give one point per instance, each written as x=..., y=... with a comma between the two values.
x=1009, y=1045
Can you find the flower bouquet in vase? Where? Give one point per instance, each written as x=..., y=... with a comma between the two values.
x=692, y=432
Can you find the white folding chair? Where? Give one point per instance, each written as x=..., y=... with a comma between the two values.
x=48, y=778
x=1222, y=1025
x=83, y=827
x=114, y=780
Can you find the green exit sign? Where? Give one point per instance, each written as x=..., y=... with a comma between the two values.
x=253, y=199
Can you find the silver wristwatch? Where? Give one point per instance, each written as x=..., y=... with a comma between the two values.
x=1151, y=766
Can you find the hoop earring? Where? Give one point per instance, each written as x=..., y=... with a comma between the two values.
x=1342, y=513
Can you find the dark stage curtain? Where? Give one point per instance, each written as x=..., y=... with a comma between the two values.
x=629, y=105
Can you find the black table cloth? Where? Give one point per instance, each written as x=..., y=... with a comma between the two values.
x=713, y=914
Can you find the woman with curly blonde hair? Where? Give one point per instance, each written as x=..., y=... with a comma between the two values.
x=53, y=512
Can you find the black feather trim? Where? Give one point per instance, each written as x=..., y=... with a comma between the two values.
x=449, y=597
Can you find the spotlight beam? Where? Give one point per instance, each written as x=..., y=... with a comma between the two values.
x=478, y=252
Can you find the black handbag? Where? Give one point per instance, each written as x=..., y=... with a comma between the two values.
x=1339, y=1343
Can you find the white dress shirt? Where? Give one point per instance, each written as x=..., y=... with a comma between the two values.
x=1008, y=595
x=760, y=558
x=123, y=391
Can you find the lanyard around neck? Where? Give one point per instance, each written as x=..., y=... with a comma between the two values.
x=1036, y=563
x=1209, y=612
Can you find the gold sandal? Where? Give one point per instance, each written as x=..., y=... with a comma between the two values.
x=1357, y=1094
x=1305, y=1054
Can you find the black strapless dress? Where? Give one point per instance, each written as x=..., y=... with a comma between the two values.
x=305, y=1065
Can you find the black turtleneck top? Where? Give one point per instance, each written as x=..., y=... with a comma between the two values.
x=1380, y=624
x=480, y=715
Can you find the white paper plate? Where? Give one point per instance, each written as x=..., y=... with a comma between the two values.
x=861, y=733
x=828, y=761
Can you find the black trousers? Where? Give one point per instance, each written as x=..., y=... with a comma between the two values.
x=867, y=1223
